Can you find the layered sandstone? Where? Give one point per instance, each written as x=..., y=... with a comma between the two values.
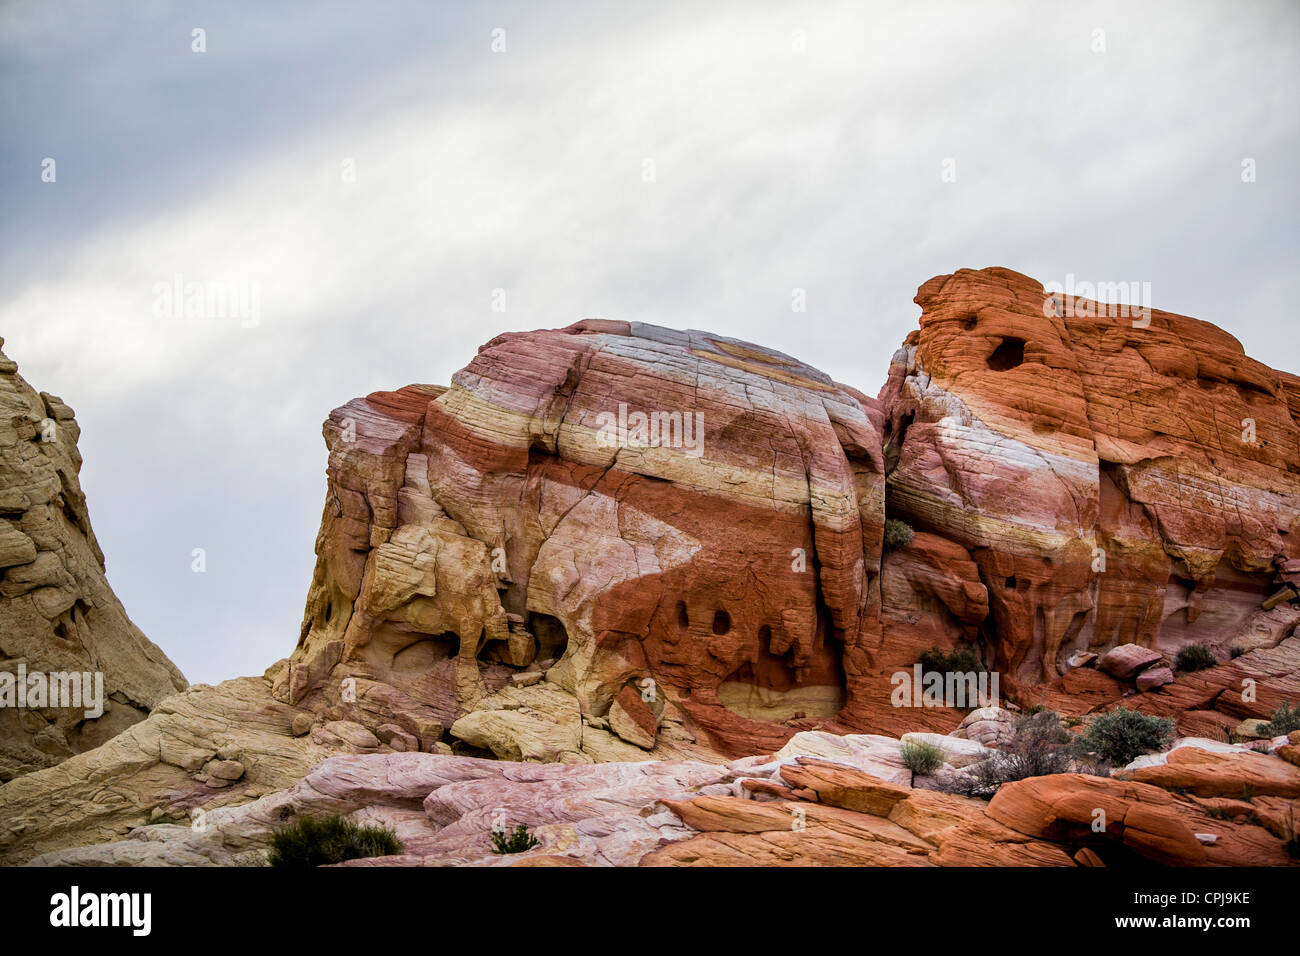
x=58, y=615
x=686, y=519
x=1117, y=478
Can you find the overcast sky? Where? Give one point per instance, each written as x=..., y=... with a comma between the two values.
x=375, y=171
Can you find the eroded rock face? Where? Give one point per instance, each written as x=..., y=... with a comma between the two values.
x=729, y=567
x=1117, y=479
x=58, y=614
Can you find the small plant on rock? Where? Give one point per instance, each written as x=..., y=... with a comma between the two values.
x=1282, y=721
x=898, y=534
x=513, y=841
x=962, y=659
x=320, y=841
x=922, y=758
x=1236, y=650
x=1195, y=657
x=1119, y=736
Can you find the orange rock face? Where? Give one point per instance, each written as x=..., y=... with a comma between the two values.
x=1116, y=478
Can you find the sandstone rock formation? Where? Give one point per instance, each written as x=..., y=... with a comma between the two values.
x=1117, y=479
x=640, y=553
x=58, y=615
x=688, y=521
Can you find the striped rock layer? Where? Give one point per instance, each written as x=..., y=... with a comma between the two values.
x=1116, y=478
x=726, y=562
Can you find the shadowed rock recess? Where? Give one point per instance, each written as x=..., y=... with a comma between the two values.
x=659, y=557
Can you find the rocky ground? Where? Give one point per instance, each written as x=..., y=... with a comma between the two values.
x=822, y=800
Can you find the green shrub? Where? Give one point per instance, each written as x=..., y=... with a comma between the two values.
x=1195, y=657
x=898, y=534
x=513, y=841
x=319, y=841
x=1282, y=721
x=962, y=659
x=922, y=758
x=1121, y=735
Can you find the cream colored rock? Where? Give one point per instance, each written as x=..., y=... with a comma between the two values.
x=58, y=614
x=872, y=753
x=957, y=751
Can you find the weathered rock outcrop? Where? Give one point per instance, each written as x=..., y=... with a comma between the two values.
x=1117, y=479
x=58, y=615
x=686, y=519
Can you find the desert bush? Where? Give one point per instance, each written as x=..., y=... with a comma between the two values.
x=962, y=658
x=1195, y=657
x=1282, y=721
x=898, y=534
x=922, y=758
x=513, y=841
x=1040, y=747
x=1120, y=735
x=319, y=841
x=1236, y=651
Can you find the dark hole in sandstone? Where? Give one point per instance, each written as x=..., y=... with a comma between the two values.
x=1011, y=583
x=969, y=323
x=552, y=638
x=683, y=621
x=1009, y=354
x=414, y=652
x=895, y=434
x=721, y=622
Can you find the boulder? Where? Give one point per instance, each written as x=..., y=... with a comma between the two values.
x=1127, y=660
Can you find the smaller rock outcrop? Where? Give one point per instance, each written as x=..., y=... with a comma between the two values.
x=60, y=623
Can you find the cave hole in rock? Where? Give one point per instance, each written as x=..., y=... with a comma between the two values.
x=1009, y=354
x=766, y=688
x=721, y=622
x=550, y=634
x=683, y=619
x=409, y=652
x=1011, y=583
